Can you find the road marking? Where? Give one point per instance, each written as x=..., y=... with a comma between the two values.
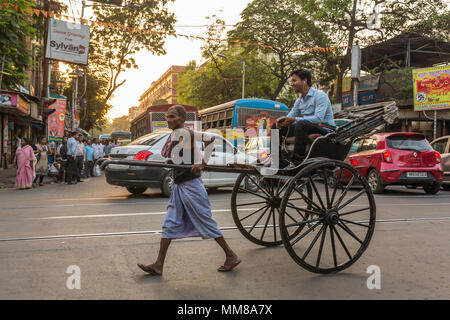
x=124, y=214
x=152, y=232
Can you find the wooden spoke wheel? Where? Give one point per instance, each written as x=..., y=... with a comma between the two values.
x=255, y=205
x=340, y=221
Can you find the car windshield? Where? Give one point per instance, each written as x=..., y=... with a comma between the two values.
x=150, y=139
x=412, y=143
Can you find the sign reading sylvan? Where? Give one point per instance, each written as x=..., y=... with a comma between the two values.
x=68, y=42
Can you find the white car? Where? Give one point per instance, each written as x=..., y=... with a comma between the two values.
x=148, y=147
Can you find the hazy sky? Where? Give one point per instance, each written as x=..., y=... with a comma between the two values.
x=179, y=50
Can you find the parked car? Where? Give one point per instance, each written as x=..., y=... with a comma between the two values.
x=148, y=147
x=397, y=158
x=442, y=145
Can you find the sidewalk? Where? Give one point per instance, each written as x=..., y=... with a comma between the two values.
x=8, y=176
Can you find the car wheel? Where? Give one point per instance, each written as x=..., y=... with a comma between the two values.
x=375, y=182
x=250, y=184
x=432, y=189
x=136, y=190
x=167, y=184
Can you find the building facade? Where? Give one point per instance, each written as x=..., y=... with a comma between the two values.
x=165, y=88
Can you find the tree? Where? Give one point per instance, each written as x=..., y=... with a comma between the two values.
x=112, y=48
x=219, y=80
x=120, y=124
x=93, y=111
x=16, y=28
x=349, y=21
x=282, y=27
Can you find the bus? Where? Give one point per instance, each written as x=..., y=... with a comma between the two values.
x=242, y=114
x=123, y=137
x=153, y=119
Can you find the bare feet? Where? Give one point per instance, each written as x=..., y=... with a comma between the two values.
x=151, y=269
x=230, y=263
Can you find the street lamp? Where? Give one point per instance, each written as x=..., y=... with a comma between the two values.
x=243, y=71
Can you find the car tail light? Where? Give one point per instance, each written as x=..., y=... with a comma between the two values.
x=142, y=155
x=438, y=158
x=263, y=155
x=354, y=162
x=387, y=157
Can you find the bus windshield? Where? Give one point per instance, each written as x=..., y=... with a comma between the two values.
x=121, y=135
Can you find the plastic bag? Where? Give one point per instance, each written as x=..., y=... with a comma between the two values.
x=97, y=172
x=53, y=169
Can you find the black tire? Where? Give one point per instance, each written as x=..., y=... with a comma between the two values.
x=167, y=184
x=136, y=190
x=446, y=187
x=249, y=183
x=259, y=223
x=432, y=188
x=375, y=182
x=350, y=229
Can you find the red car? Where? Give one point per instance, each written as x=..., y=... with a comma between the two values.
x=397, y=158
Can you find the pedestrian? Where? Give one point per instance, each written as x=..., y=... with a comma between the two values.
x=42, y=152
x=189, y=210
x=71, y=158
x=88, y=160
x=24, y=162
x=61, y=157
x=97, y=148
x=108, y=147
x=80, y=157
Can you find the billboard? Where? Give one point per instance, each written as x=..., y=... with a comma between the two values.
x=56, y=120
x=263, y=121
x=68, y=42
x=431, y=88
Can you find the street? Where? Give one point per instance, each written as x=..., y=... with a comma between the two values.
x=105, y=231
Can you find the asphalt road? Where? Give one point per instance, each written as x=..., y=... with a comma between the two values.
x=104, y=231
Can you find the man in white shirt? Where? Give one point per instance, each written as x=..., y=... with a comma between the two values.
x=98, y=149
x=80, y=157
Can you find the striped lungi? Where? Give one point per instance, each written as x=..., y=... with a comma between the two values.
x=189, y=212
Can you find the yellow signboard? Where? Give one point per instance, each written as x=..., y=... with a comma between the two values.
x=431, y=88
x=346, y=85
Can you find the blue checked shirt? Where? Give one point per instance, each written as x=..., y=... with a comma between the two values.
x=315, y=108
x=72, y=147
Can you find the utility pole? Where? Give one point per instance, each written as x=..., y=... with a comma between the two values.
x=46, y=64
x=356, y=71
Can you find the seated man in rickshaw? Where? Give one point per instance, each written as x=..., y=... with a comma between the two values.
x=311, y=114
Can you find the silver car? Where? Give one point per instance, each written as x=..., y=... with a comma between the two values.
x=442, y=145
x=148, y=147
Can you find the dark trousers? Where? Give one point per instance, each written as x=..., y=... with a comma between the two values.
x=80, y=161
x=71, y=169
x=41, y=178
x=301, y=129
x=62, y=171
x=88, y=168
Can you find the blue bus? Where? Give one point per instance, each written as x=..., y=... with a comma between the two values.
x=242, y=114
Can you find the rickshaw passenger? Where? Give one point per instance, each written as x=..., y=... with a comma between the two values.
x=312, y=113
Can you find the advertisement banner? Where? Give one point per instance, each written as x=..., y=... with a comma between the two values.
x=431, y=88
x=366, y=97
x=368, y=83
x=56, y=121
x=346, y=85
x=68, y=42
x=260, y=122
x=347, y=100
x=8, y=99
x=23, y=105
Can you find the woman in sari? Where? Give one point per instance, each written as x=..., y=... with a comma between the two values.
x=25, y=161
x=43, y=149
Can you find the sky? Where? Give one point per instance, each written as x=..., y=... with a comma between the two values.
x=179, y=50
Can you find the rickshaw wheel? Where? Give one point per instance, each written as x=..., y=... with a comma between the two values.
x=349, y=217
x=257, y=218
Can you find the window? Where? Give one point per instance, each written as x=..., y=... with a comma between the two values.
x=412, y=143
x=440, y=145
x=355, y=146
x=368, y=144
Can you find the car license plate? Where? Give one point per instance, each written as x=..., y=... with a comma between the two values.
x=416, y=174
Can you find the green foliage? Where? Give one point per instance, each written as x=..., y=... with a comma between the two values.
x=93, y=113
x=16, y=30
x=120, y=124
x=112, y=49
x=283, y=27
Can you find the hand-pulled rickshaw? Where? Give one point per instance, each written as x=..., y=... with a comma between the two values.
x=323, y=211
